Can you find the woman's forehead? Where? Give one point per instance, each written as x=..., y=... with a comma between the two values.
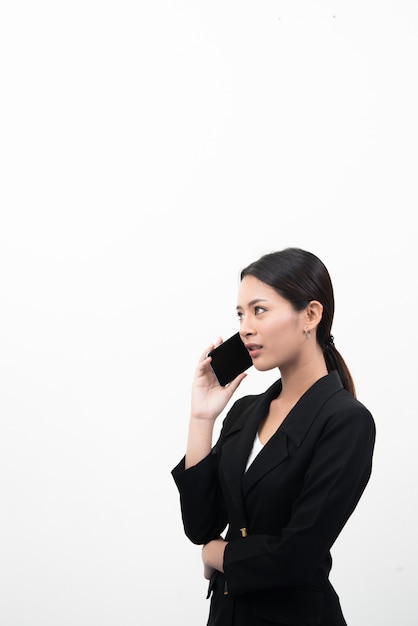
x=252, y=290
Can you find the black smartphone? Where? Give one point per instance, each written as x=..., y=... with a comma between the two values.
x=229, y=359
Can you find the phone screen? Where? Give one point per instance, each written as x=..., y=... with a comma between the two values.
x=230, y=359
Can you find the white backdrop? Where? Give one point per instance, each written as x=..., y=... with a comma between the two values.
x=149, y=150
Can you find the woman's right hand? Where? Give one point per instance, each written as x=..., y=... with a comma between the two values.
x=208, y=397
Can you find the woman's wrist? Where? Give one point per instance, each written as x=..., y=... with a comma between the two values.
x=213, y=554
x=199, y=442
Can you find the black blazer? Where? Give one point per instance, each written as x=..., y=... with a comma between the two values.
x=284, y=513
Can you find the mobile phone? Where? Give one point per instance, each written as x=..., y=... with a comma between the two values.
x=229, y=359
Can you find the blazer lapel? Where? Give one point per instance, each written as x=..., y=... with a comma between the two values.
x=295, y=427
x=273, y=453
x=239, y=441
x=300, y=418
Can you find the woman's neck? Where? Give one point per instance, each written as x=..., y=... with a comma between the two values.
x=296, y=382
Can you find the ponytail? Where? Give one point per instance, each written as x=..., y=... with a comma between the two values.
x=334, y=361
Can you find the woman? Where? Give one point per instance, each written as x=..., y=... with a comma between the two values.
x=289, y=466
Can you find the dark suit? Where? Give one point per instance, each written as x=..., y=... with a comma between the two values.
x=293, y=501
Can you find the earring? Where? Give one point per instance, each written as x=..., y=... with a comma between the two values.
x=307, y=334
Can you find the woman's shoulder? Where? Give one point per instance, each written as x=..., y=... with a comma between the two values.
x=346, y=401
x=329, y=394
x=343, y=407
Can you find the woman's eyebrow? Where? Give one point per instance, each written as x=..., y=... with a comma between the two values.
x=253, y=302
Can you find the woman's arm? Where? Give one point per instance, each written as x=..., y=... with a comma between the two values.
x=208, y=401
x=202, y=504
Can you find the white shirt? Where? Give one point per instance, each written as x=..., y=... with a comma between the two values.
x=257, y=447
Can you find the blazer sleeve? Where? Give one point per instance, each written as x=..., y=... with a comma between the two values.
x=338, y=473
x=203, y=513
x=202, y=503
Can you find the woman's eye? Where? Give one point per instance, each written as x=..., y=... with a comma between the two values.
x=239, y=315
x=258, y=310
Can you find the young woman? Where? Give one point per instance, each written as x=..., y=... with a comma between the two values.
x=290, y=464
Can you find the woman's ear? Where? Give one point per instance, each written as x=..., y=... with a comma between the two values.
x=313, y=313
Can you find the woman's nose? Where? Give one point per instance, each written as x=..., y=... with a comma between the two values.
x=246, y=329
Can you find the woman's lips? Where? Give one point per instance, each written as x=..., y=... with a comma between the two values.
x=254, y=349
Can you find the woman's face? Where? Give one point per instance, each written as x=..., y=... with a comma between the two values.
x=270, y=328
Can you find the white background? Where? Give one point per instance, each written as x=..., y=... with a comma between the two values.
x=150, y=150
